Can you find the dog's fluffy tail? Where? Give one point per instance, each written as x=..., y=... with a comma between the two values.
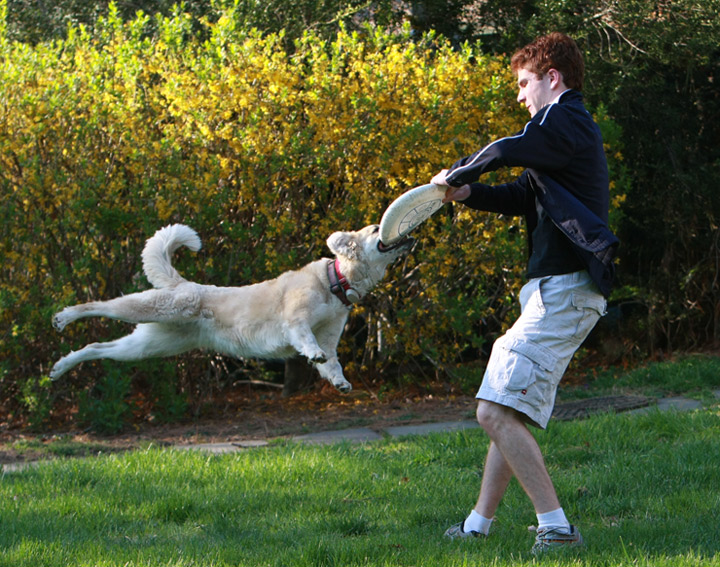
x=158, y=251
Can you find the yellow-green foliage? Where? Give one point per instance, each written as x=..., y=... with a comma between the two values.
x=107, y=136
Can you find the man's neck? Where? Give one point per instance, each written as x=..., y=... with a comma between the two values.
x=562, y=92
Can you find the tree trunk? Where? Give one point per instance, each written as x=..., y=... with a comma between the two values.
x=298, y=375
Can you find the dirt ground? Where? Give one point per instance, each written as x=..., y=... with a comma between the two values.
x=267, y=416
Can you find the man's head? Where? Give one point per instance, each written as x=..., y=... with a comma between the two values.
x=545, y=68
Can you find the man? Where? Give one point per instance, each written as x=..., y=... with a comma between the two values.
x=563, y=194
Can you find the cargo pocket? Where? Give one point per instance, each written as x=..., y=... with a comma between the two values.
x=523, y=364
x=590, y=308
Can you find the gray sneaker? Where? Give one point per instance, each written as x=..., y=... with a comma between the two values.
x=553, y=538
x=456, y=532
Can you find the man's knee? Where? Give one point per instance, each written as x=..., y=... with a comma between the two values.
x=486, y=414
x=493, y=417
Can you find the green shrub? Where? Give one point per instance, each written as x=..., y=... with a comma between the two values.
x=106, y=137
x=105, y=409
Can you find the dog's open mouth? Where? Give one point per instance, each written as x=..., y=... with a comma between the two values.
x=405, y=241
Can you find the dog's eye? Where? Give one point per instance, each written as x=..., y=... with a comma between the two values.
x=376, y=229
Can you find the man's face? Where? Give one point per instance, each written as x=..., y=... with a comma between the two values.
x=534, y=93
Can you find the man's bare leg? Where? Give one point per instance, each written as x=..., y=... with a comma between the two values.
x=513, y=451
x=521, y=454
x=495, y=480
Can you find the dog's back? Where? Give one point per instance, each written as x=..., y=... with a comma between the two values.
x=158, y=251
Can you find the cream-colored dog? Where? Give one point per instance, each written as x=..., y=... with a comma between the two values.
x=301, y=311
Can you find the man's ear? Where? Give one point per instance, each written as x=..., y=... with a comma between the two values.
x=342, y=244
x=556, y=77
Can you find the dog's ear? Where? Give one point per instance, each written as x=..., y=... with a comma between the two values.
x=343, y=244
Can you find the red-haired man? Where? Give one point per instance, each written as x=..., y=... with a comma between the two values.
x=563, y=194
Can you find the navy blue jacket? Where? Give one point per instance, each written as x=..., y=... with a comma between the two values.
x=566, y=177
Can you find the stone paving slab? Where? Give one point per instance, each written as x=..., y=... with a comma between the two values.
x=220, y=448
x=425, y=428
x=356, y=435
x=680, y=404
x=18, y=467
x=667, y=404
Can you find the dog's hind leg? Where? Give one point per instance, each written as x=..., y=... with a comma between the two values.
x=151, y=306
x=146, y=341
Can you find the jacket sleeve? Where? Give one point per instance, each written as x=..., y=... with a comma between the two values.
x=546, y=144
x=513, y=199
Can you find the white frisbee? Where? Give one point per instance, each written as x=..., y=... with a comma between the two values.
x=409, y=210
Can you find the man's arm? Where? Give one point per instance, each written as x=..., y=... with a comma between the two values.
x=546, y=144
x=512, y=199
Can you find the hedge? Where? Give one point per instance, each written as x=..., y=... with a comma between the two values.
x=109, y=134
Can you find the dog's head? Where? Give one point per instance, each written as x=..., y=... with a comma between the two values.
x=365, y=245
x=363, y=258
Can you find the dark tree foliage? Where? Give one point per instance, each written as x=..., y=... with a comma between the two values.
x=656, y=65
x=33, y=21
x=38, y=20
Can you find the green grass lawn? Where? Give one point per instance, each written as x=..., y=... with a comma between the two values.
x=643, y=488
x=695, y=376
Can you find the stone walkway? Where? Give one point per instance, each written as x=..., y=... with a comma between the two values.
x=570, y=410
x=630, y=404
x=356, y=435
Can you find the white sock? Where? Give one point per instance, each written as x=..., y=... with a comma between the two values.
x=554, y=519
x=477, y=523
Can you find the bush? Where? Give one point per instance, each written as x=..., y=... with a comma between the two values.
x=106, y=137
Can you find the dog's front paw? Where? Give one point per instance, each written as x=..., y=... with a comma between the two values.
x=344, y=387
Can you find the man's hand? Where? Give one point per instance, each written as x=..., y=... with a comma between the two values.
x=452, y=193
x=439, y=178
x=456, y=193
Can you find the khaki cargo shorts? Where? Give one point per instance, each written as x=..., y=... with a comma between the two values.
x=527, y=362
